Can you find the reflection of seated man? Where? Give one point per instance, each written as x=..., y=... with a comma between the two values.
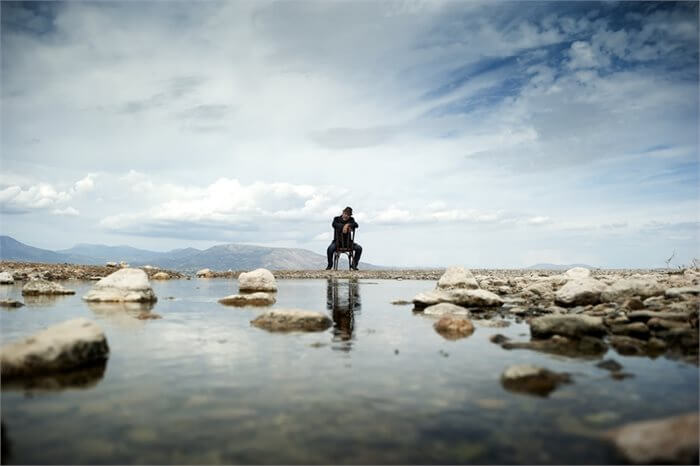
x=343, y=307
x=343, y=225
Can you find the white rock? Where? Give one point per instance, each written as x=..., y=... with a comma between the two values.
x=257, y=280
x=460, y=297
x=577, y=272
x=204, y=273
x=628, y=287
x=686, y=290
x=123, y=264
x=6, y=278
x=123, y=285
x=457, y=277
x=445, y=308
x=569, y=325
x=542, y=289
x=39, y=286
x=161, y=276
x=580, y=291
x=61, y=347
x=252, y=299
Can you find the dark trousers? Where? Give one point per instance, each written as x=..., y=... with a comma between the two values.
x=356, y=254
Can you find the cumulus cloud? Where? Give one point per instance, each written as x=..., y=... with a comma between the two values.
x=69, y=211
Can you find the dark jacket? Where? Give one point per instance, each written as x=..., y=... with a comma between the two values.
x=338, y=223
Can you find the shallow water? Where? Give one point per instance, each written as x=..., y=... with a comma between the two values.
x=201, y=385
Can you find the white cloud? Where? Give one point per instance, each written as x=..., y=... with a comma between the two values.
x=68, y=211
x=86, y=184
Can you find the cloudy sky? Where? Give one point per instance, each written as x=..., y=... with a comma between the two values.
x=482, y=134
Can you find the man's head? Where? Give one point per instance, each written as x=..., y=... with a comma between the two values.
x=347, y=213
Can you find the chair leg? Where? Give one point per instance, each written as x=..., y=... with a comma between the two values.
x=350, y=260
x=335, y=260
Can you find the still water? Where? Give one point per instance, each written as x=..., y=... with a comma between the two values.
x=202, y=386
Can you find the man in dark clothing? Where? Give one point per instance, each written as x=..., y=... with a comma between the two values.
x=342, y=224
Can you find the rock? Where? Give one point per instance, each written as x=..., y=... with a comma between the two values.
x=541, y=289
x=10, y=303
x=577, y=273
x=575, y=326
x=580, y=291
x=252, y=299
x=257, y=280
x=585, y=347
x=460, y=297
x=205, y=273
x=628, y=346
x=6, y=278
x=445, y=308
x=682, y=292
x=635, y=329
x=39, y=286
x=488, y=323
x=655, y=302
x=457, y=278
x=401, y=302
x=148, y=316
x=161, y=276
x=123, y=265
x=672, y=440
x=628, y=287
x=533, y=380
x=610, y=365
x=643, y=316
x=285, y=320
x=656, y=323
x=123, y=285
x=633, y=304
x=111, y=264
x=498, y=339
x=69, y=345
x=453, y=327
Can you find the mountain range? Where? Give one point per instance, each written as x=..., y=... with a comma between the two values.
x=221, y=257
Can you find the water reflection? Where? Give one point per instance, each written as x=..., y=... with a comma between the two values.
x=44, y=300
x=82, y=378
x=123, y=314
x=343, y=299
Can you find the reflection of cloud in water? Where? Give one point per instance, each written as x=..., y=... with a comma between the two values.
x=122, y=314
x=343, y=298
x=76, y=379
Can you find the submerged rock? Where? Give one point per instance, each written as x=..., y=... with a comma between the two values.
x=124, y=285
x=257, y=280
x=586, y=347
x=252, y=299
x=453, y=327
x=533, y=380
x=570, y=325
x=62, y=347
x=39, y=286
x=285, y=320
x=672, y=440
x=6, y=278
x=457, y=278
x=610, y=365
x=10, y=303
x=460, y=297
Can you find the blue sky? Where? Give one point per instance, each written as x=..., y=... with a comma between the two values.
x=484, y=134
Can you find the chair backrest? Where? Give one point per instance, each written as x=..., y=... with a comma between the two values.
x=344, y=242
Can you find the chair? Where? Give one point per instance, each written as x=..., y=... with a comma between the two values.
x=344, y=244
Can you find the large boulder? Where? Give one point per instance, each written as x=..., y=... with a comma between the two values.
x=541, y=289
x=124, y=285
x=453, y=327
x=6, y=278
x=445, y=308
x=39, y=286
x=569, y=325
x=204, y=273
x=252, y=299
x=257, y=280
x=672, y=440
x=629, y=287
x=457, y=277
x=580, y=291
x=460, y=297
x=532, y=380
x=577, y=273
x=287, y=320
x=69, y=345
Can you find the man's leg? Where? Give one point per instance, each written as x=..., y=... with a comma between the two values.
x=329, y=254
x=356, y=255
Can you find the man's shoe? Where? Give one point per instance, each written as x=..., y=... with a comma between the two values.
x=353, y=267
x=329, y=267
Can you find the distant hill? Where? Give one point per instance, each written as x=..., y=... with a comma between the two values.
x=546, y=266
x=221, y=257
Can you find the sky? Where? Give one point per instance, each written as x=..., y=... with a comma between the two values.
x=481, y=134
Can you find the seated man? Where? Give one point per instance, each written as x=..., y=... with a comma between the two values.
x=344, y=223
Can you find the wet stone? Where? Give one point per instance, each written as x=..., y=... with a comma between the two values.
x=635, y=329
x=532, y=380
x=453, y=327
x=610, y=365
x=10, y=303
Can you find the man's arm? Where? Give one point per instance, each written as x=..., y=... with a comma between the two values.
x=336, y=223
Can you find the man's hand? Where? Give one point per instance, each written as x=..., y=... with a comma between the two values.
x=346, y=228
